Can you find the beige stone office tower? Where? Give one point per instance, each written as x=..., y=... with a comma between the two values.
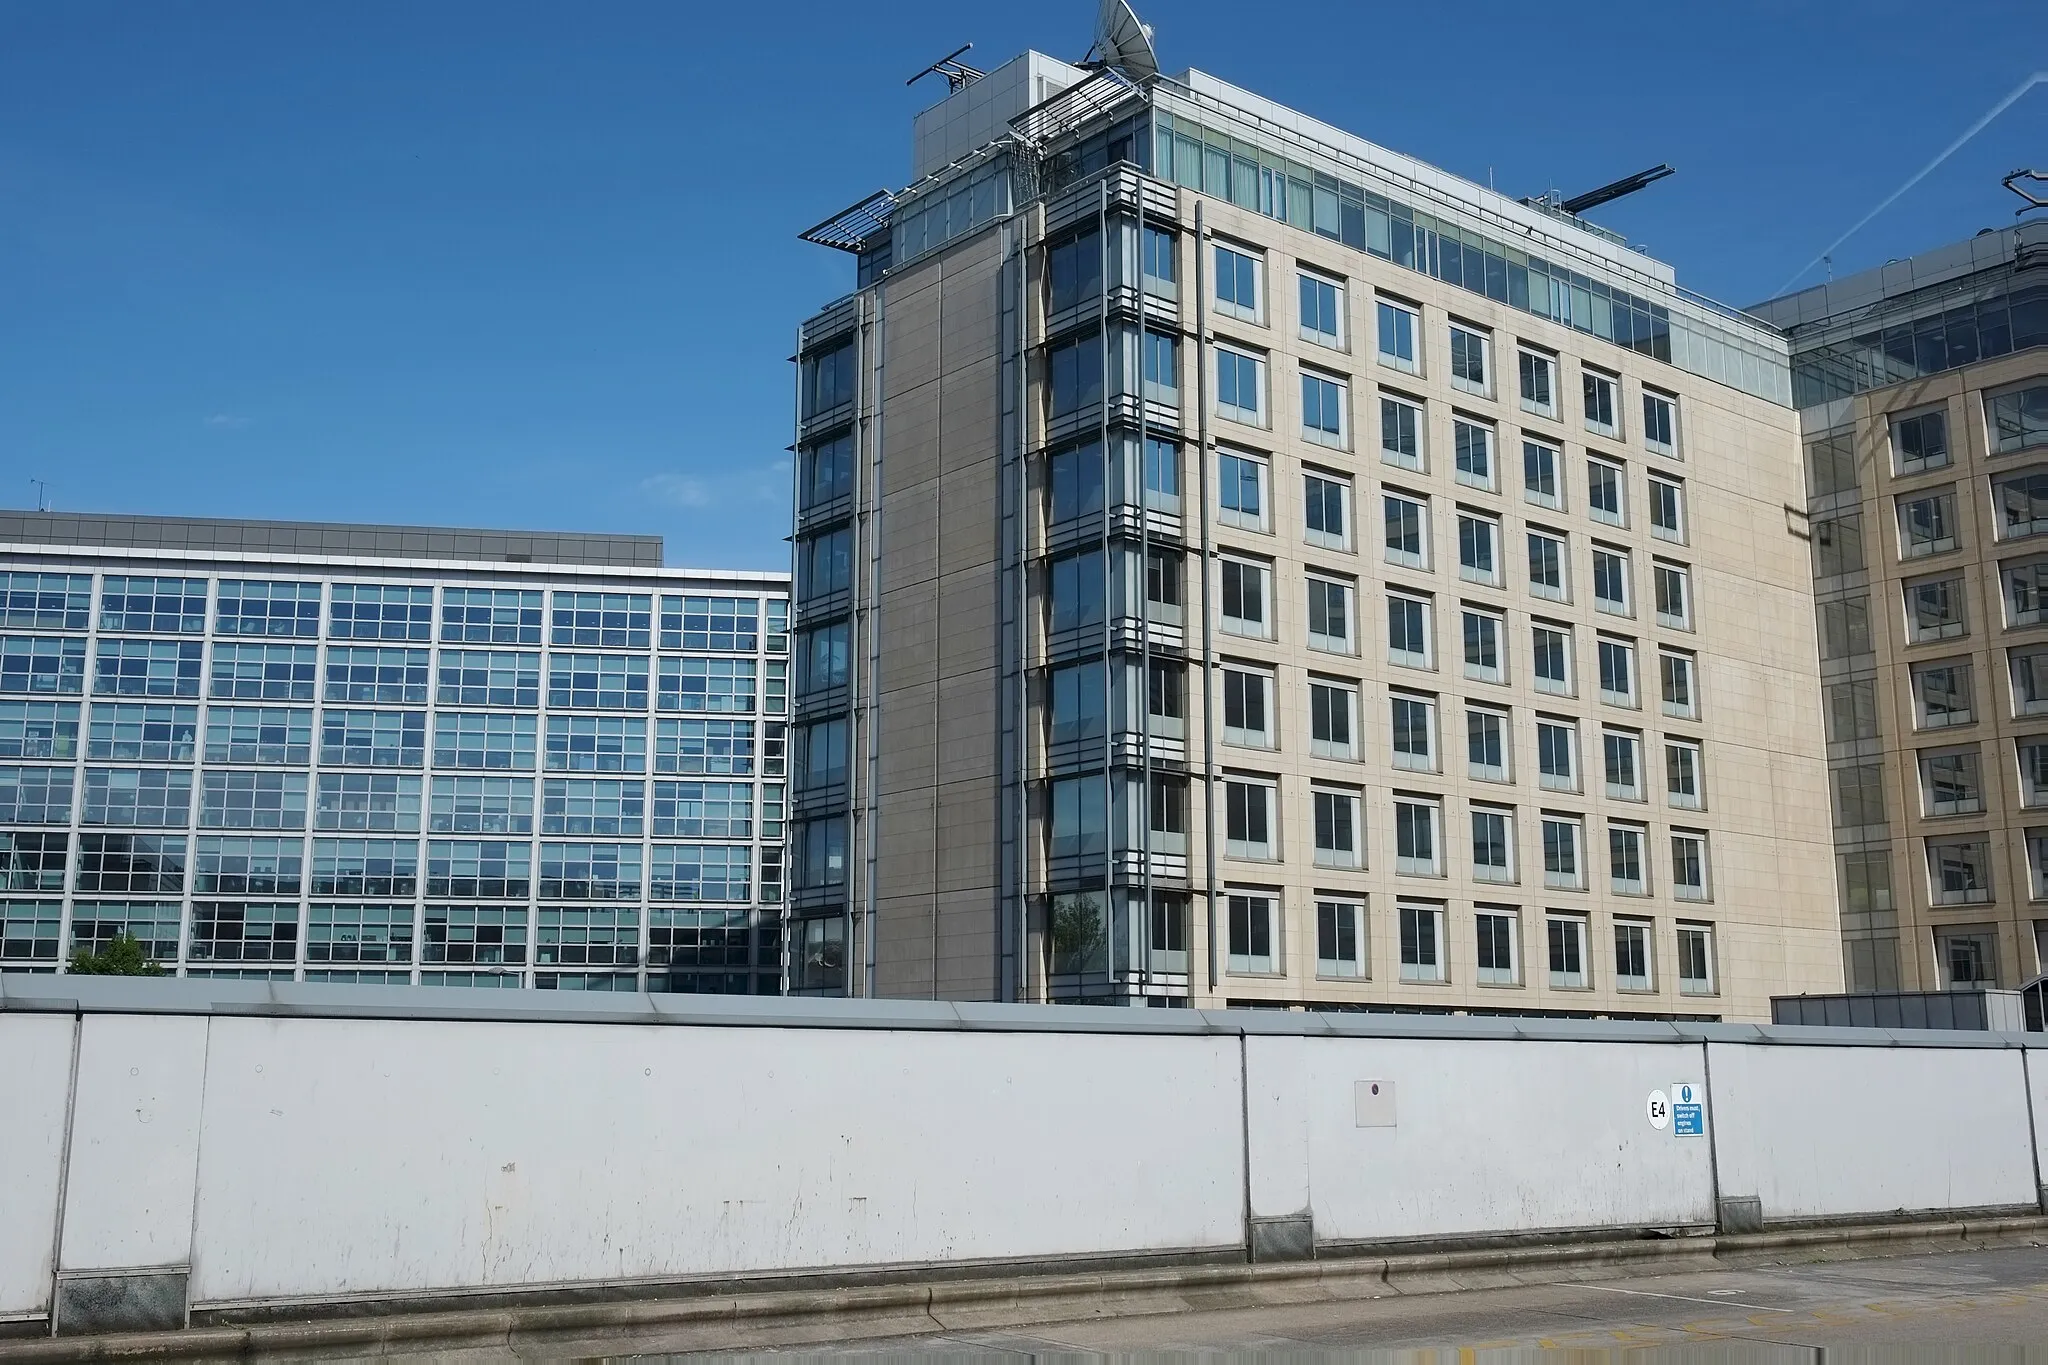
x=1923, y=396
x=1240, y=564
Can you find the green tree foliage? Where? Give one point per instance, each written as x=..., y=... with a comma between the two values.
x=122, y=956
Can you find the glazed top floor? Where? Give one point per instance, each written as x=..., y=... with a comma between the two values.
x=1036, y=125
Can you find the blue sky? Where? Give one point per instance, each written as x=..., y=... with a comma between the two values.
x=534, y=265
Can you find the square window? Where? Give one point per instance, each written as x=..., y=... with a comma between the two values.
x=1920, y=442
x=1927, y=524
x=1934, y=609
x=1942, y=696
x=1247, y=819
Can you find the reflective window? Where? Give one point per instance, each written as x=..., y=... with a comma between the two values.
x=367, y=801
x=479, y=867
x=237, y=800
x=156, y=605
x=583, y=872
x=2018, y=420
x=692, y=872
x=481, y=805
x=254, y=607
x=239, y=866
x=228, y=931
x=1474, y=445
x=38, y=729
x=34, y=860
x=1471, y=360
x=1688, y=875
x=2022, y=504
x=1238, y=277
x=157, y=797
x=1325, y=408
x=606, y=620
x=586, y=805
x=49, y=665
x=706, y=685
x=1660, y=423
x=704, y=746
x=376, y=675
x=611, y=681
x=1322, y=310
x=359, y=933
x=148, y=668
x=485, y=740
x=480, y=677
x=95, y=924
x=703, y=810
x=603, y=744
x=1539, y=383
x=723, y=624
x=381, y=739
x=825, y=472
x=155, y=734
x=35, y=796
x=1401, y=429
x=1240, y=386
x=1542, y=484
x=1398, y=327
x=258, y=734
x=1920, y=442
x=131, y=864
x=263, y=672
x=1241, y=491
x=480, y=934
x=373, y=611
x=45, y=601
x=490, y=616
x=29, y=930
x=1407, y=530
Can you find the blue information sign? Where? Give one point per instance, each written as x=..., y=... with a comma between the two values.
x=1688, y=1111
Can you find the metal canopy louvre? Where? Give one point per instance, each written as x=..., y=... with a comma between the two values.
x=857, y=225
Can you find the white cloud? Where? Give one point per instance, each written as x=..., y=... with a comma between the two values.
x=680, y=490
x=228, y=420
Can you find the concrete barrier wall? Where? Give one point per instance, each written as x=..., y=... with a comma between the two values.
x=238, y=1145
x=1830, y=1132
x=1485, y=1136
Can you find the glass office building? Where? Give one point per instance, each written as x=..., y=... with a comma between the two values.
x=389, y=755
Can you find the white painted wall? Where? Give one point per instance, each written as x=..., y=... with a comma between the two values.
x=35, y=1081
x=422, y=1155
x=1488, y=1136
x=301, y=1157
x=1834, y=1131
x=135, y=1145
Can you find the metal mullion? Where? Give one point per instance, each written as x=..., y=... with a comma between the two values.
x=1144, y=697
x=73, y=835
x=1109, y=593
x=1208, y=571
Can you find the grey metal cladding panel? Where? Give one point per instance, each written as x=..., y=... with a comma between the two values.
x=328, y=538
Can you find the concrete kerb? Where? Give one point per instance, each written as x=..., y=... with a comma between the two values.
x=798, y=1317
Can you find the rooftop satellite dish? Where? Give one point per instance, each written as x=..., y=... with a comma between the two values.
x=1123, y=42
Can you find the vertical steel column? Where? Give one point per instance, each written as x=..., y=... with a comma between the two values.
x=866, y=522
x=1022, y=926
x=1208, y=561
x=1109, y=590
x=789, y=776
x=1144, y=689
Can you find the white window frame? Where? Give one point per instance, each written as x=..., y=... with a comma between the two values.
x=1554, y=782
x=1674, y=796
x=1249, y=849
x=1948, y=536
x=1669, y=403
x=1243, y=737
x=1970, y=805
x=1408, y=658
x=1330, y=748
x=1706, y=985
x=2024, y=581
x=1399, y=459
x=1677, y=533
x=1420, y=560
x=1411, y=364
x=1490, y=482
x=1959, y=593
x=1485, y=772
x=1560, y=591
x=1628, y=700
x=1490, y=873
x=1629, y=742
x=1588, y=379
x=1618, y=514
x=1569, y=685
x=1401, y=758
x=1418, y=971
x=2022, y=664
x=1484, y=386
x=1341, y=438
x=1479, y=672
x=1530, y=493
x=1923, y=715
x=1230, y=308
x=1628, y=832
x=1252, y=964
x=1345, y=859
x=1575, y=827
x=1340, y=340
x=1226, y=620
x=1902, y=464
x=1691, y=710
x=1548, y=362
x=1489, y=525
x=1346, y=517
x=1251, y=417
x=1321, y=640
x=1686, y=891
x=1510, y=975
x=1669, y=570
x=1432, y=809
x=1339, y=968
x=1625, y=605
x=1646, y=931
x=1234, y=516
x=1576, y=927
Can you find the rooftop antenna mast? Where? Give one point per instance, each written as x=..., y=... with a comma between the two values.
x=959, y=75
x=42, y=494
x=2034, y=200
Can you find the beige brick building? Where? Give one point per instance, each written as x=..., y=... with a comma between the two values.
x=1240, y=564
x=1923, y=392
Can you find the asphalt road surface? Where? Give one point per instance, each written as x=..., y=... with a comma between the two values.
x=1980, y=1305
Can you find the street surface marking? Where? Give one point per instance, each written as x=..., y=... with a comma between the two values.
x=1717, y=1303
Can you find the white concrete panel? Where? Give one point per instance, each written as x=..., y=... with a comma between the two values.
x=35, y=1078
x=128, y=1201
x=1487, y=1136
x=1828, y=1131
x=364, y=1156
